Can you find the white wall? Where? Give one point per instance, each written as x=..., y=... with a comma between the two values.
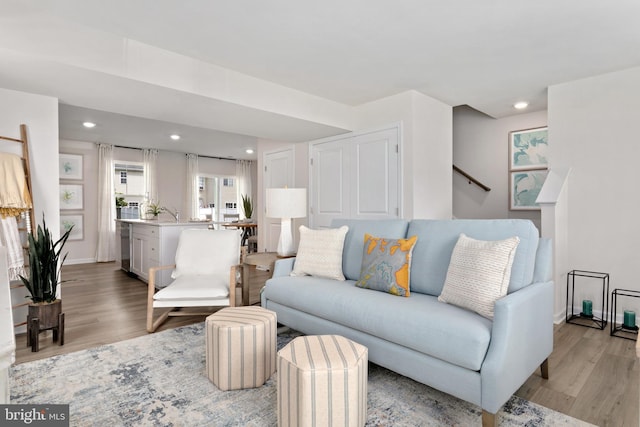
x=481, y=148
x=593, y=128
x=40, y=114
x=84, y=251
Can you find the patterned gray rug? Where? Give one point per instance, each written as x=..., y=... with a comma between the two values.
x=160, y=380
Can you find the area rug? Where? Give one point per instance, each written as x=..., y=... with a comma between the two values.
x=160, y=380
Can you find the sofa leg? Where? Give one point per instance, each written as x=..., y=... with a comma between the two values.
x=544, y=369
x=489, y=419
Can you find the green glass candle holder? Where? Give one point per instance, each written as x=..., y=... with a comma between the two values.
x=587, y=308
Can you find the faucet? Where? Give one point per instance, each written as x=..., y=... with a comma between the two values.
x=175, y=215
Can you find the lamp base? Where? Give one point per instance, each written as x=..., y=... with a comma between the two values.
x=285, y=244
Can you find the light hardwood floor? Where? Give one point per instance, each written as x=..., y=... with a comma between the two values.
x=593, y=376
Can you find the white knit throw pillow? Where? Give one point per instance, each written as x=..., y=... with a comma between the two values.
x=320, y=253
x=479, y=273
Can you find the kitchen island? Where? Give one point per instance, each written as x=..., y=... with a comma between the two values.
x=150, y=243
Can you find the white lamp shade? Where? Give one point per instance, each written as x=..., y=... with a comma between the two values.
x=286, y=202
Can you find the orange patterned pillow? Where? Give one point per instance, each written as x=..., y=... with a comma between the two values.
x=386, y=264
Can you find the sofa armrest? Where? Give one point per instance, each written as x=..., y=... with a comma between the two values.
x=521, y=339
x=283, y=267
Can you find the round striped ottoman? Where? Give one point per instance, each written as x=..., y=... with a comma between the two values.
x=240, y=347
x=322, y=381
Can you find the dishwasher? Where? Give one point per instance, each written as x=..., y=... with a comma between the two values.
x=125, y=246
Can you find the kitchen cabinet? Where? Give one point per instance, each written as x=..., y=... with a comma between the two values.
x=153, y=243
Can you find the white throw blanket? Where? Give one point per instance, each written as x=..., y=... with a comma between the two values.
x=10, y=238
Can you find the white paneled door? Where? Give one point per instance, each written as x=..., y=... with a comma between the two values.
x=355, y=176
x=278, y=173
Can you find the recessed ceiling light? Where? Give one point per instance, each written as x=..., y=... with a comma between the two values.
x=89, y=125
x=249, y=150
x=175, y=137
x=520, y=105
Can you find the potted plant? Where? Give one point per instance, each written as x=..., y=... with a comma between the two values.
x=120, y=203
x=44, y=277
x=247, y=205
x=154, y=209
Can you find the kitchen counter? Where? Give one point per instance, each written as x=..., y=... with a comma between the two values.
x=151, y=243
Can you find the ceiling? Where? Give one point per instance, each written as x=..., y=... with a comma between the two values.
x=228, y=73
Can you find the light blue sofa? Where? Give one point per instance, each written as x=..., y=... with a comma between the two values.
x=446, y=347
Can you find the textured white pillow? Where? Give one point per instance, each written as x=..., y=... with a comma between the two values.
x=479, y=273
x=320, y=253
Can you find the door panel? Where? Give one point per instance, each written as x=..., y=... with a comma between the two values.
x=330, y=192
x=279, y=173
x=375, y=176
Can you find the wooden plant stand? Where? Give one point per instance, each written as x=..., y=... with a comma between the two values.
x=42, y=318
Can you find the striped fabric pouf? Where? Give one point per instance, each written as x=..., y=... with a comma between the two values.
x=241, y=347
x=322, y=381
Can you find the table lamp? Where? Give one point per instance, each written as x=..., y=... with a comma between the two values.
x=286, y=203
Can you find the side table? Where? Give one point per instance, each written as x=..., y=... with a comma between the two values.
x=266, y=259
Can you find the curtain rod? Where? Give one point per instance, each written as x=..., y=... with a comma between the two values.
x=180, y=152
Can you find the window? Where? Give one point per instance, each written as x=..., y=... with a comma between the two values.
x=217, y=196
x=128, y=181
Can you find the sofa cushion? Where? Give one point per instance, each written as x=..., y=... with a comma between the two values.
x=320, y=253
x=437, y=238
x=420, y=323
x=479, y=273
x=386, y=264
x=354, y=241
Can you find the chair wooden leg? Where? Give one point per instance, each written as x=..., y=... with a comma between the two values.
x=544, y=369
x=489, y=419
x=159, y=320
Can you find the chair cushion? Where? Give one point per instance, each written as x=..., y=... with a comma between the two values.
x=207, y=252
x=459, y=336
x=320, y=253
x=193, y=288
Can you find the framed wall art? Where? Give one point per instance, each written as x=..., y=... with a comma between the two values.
x=524, y=187
x=70, y=166
x=71, y=197
x=528, y=149
x=77, y=222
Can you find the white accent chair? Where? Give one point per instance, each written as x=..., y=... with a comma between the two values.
x=205, y=275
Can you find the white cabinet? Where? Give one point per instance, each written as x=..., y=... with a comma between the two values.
x=154, y=244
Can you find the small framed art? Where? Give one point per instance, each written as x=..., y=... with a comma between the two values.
x=524, y=187
x=71, y=196
x=70, y=166
x=77, y=222
x=528, y=149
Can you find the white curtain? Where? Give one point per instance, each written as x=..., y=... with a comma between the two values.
x=106, y=250
x=243, y=176
x=192, y=186
x=150, y=180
